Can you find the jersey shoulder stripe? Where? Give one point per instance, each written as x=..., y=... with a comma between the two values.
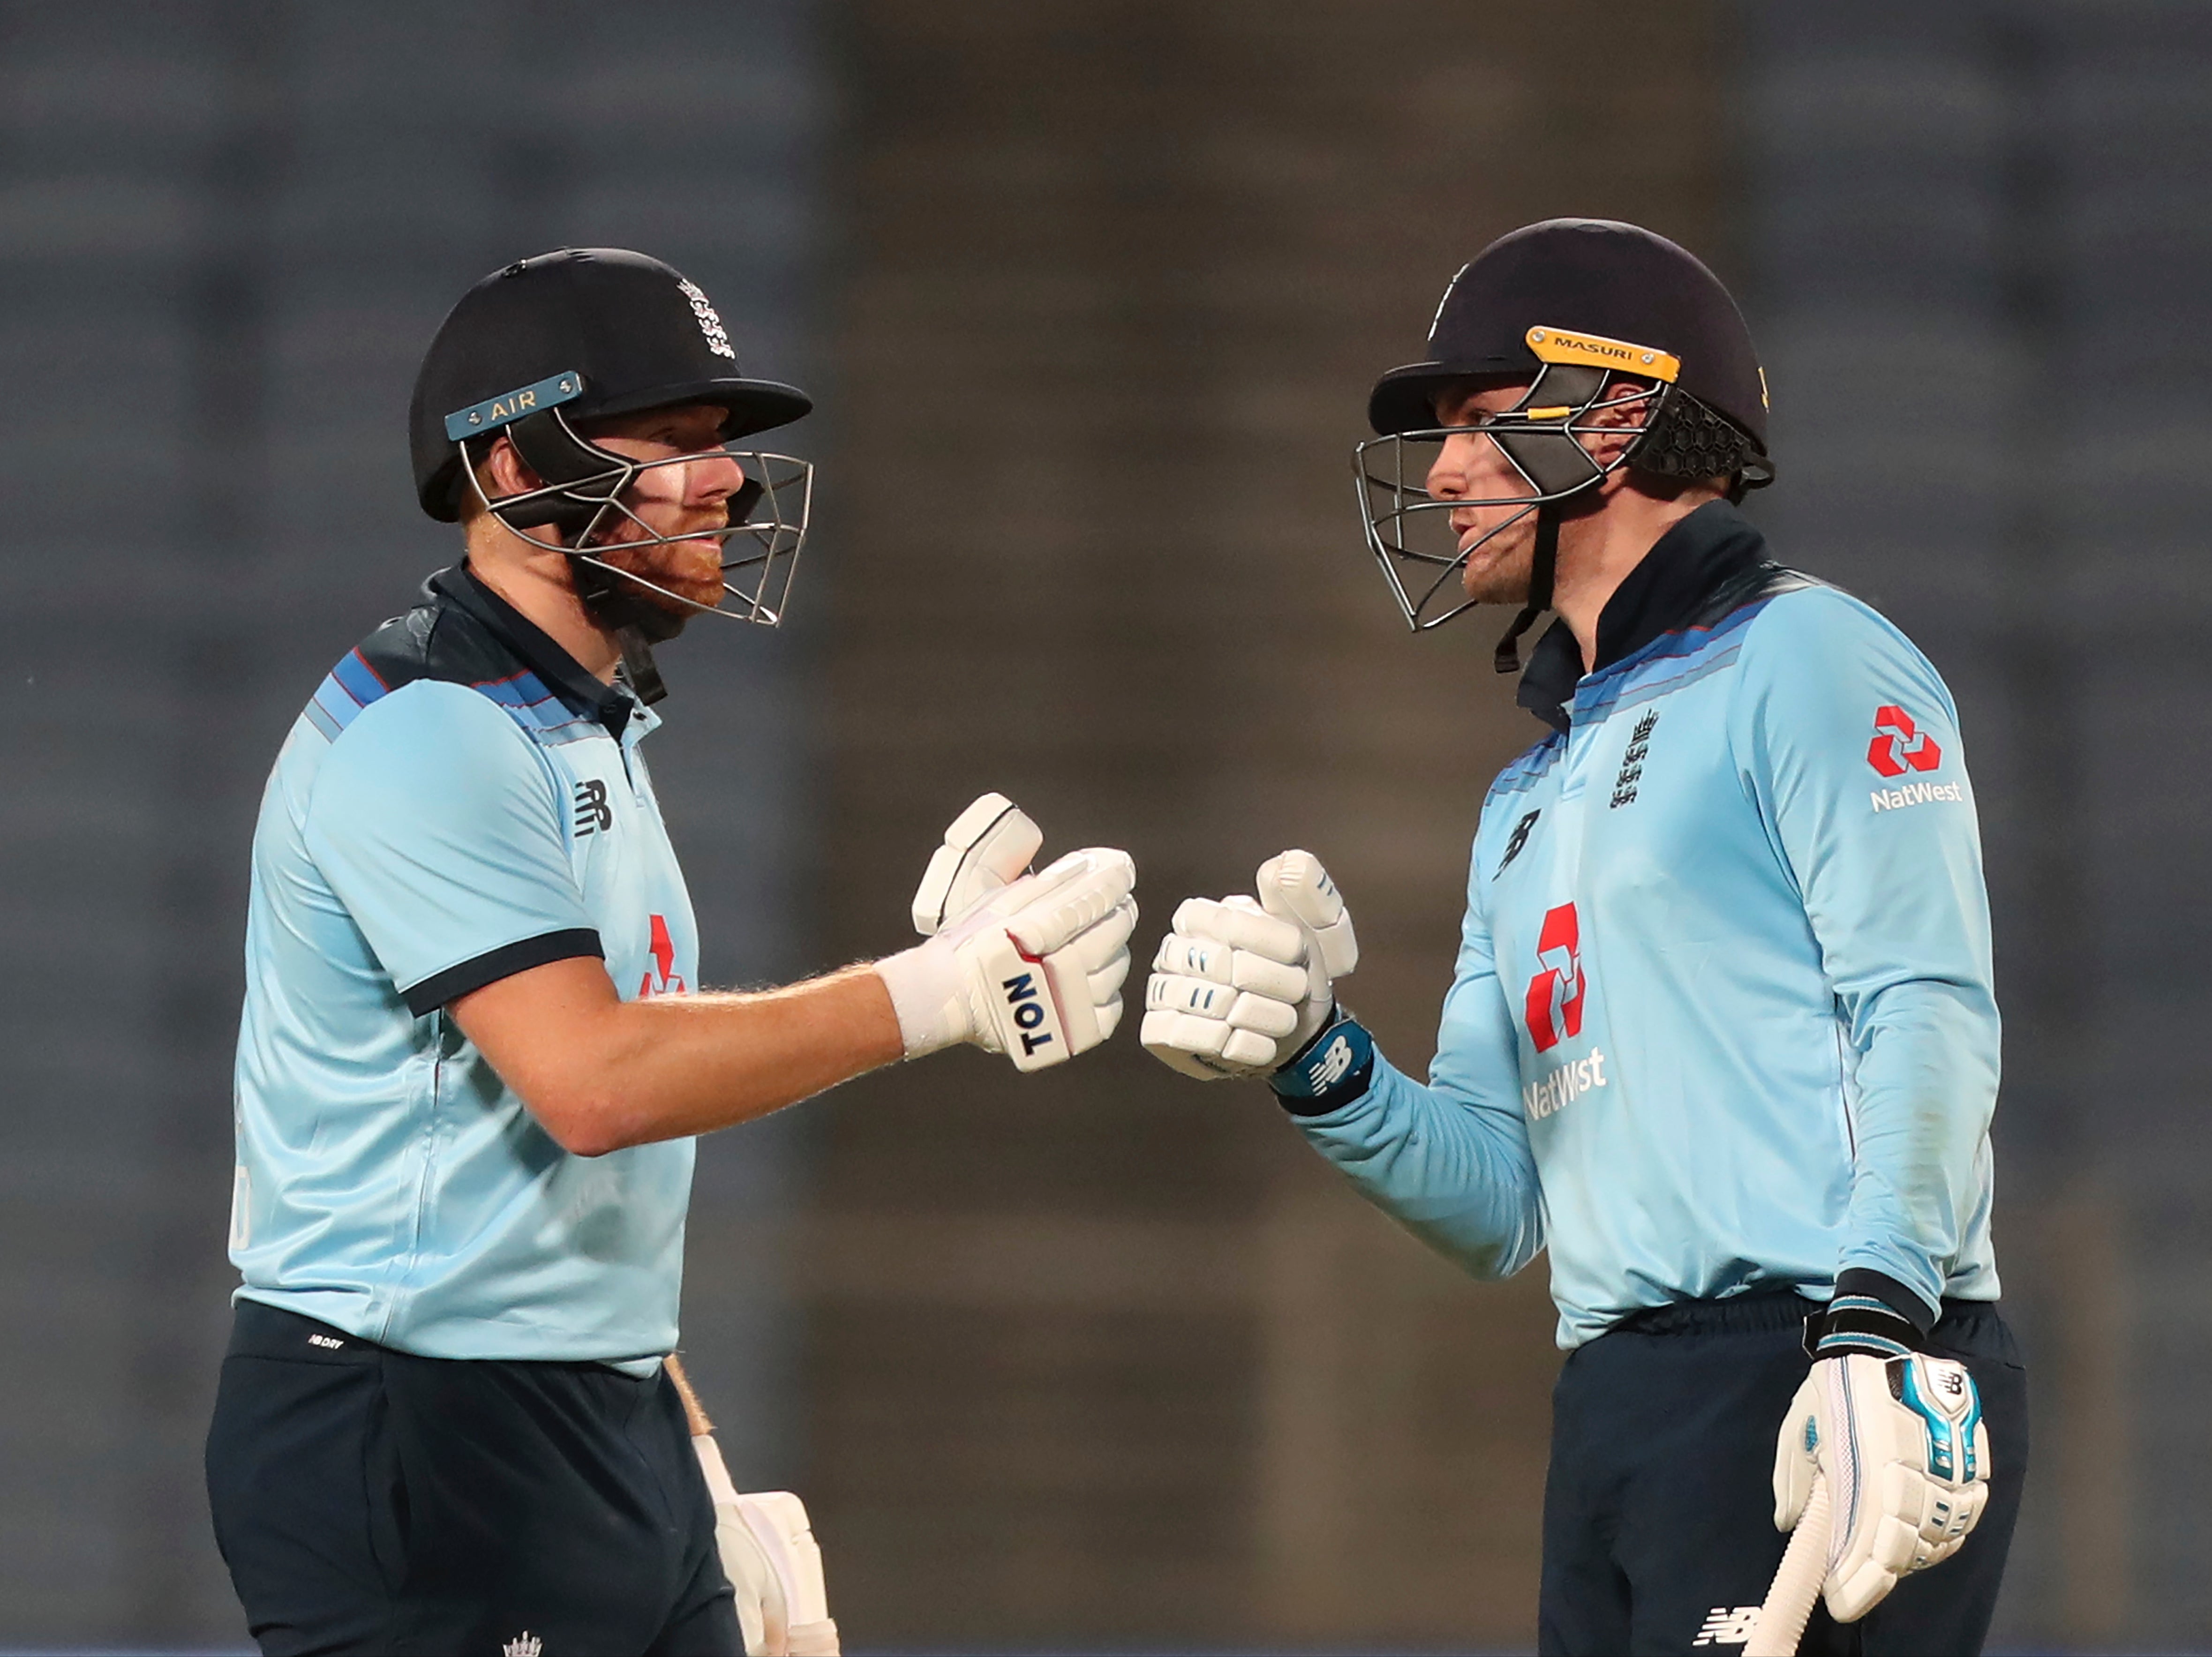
x=1525, y=771
x=441, y=643
x=1704, y=645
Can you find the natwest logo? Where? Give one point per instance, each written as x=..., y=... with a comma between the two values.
x=661, y=978
x=1555, y=994
x=1898, y=743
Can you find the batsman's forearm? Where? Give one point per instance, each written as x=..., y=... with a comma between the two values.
x=678, y=1065
x=600, y=1074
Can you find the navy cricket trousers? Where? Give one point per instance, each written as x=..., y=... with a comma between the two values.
x=1659, y=1507
x=372, y=1502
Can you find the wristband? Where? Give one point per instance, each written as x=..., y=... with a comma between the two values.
x=1868, y=1316
x=1333, y=1069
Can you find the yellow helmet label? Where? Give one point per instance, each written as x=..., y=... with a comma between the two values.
x=1595, y=351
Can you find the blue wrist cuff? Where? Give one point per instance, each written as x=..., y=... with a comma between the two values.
x=1334, y=1068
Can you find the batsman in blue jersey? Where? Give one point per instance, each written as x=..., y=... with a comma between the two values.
x=474, y=1053
x=1723, y=1038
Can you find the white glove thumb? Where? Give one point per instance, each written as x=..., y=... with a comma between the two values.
x=1294, y=887
x=1796, y=1456
x=986, y=847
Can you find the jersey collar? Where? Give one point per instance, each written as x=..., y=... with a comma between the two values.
x=1675, y=584
x=582, y=693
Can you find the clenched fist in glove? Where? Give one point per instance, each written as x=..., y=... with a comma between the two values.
x=1900, y=1443
x=1242, y=983
x=1028, y=965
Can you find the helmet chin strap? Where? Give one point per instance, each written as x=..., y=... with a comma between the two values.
x=639, y=667
x=1542, y=567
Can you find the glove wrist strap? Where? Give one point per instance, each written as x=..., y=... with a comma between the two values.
x=1331, y=1070
x=1872, y=1313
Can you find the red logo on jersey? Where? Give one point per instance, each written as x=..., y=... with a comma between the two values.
x=1555, y=994
x=660, y=978
x=1898, y=742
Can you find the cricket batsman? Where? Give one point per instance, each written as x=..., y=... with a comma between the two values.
x=474, y=1054
x=1721, y=1034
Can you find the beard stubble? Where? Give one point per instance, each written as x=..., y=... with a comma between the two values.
x=1498, y=571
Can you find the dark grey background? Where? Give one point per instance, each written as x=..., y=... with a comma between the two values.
x=1983, y=267
x=1092, y=292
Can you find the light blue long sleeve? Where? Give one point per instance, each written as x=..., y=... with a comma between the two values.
x=1887, y=857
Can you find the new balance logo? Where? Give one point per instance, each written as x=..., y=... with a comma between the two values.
x=1516, y=840
x=593, y=815
x=524, y=1644
x=1335, y=1064
x=1632, y=762
x=1728, y=1627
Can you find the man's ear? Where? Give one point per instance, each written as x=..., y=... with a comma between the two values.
x=503, y=472
x=1615, y=412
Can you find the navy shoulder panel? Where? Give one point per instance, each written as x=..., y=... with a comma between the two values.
x=436, y=639
x=1755, y=585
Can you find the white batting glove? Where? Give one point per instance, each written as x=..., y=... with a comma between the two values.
x=1901, y=1444
x=770, y=1554
x=1028, y=965
x=1240, y=985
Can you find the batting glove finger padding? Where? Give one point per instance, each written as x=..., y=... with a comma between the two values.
x=1240, y=923
x=1204, y=999
x=1074, y=895
x=1901, y=1444
x=1207, y=1048
x=1184, y=955
x=1032, y=965
x=1240, y=983
x=1104, y=948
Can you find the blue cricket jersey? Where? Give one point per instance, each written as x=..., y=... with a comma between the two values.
x=1722, y=1017
x=459, y=802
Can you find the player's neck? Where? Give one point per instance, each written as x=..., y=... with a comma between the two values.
x=537, y=583
x=1596, y=554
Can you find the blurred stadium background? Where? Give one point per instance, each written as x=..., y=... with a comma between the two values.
x=1091, y=293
